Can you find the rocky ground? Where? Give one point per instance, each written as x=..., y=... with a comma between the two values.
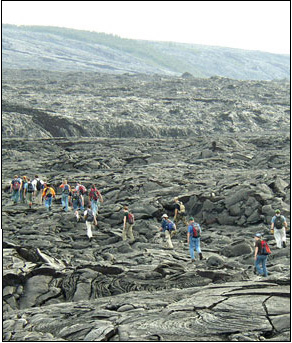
x=58, y=286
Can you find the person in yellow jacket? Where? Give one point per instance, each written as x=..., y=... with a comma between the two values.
x=48, y=194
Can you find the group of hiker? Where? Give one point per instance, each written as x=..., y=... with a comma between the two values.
x=26, y=190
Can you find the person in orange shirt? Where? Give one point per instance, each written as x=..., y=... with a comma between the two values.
x=48, y=194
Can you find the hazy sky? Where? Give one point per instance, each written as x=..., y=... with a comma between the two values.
x=251, y=25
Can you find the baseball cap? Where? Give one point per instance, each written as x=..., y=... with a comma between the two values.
x=191, y=218
x=277, y=211
x=165, y=216
x=258, y=235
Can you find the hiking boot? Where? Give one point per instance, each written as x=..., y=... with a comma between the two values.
x=284, y=244
x=201, y=256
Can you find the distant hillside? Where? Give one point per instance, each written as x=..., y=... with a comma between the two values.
x=61, y=49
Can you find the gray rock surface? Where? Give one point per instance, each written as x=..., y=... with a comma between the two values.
x=63, y=50
x=58, y=286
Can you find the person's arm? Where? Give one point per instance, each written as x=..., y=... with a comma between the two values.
x=188, y=237
x=175, y=213
x=100, y=197
x=125, y=220
x=256, y=252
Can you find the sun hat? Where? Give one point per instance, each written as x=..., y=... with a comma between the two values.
x=165, y=216
x=258, y=235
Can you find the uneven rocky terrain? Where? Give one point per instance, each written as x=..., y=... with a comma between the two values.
x=144, y=140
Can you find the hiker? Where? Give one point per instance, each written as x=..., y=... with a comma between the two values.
x=39, y=188
x=128, y=225
x=167, y=226
x=94, y=197
x=279, y=226
x=259, y=257
x=82, y=190
x=48, y=194
x=89, y=219
x=193, y=237
x=15, y=186
x=22, y=189
x=77, y=201
x=179, y=212
x=28, y=192
x=66, y=195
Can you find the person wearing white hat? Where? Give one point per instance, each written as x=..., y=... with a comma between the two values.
x=167, y=226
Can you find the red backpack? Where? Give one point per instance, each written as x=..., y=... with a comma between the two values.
x=265, y=248
x=131, y=219
x=82, y=189
x=196, y=231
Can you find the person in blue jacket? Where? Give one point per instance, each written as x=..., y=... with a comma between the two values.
x=167, y=226
x=194, y=238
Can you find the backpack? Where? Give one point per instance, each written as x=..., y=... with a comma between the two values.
x=38, y=185
x=131, y=218
x=170, y=226
x=279, y=222
x=49, y=192
x=94, y=194
x=30, y=188
x=265, y=248
x=75, y=196
x=16, y=184
x=182, y=208
x=66, y=190
x=82, y=189
x=196, y=231
x=89, y=216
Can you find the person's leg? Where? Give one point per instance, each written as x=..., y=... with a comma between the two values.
x=66, y=203
x=257, y=264
x=283, y=237
x=197, y=245
x=191, y=248
x=278, y=237
x=63, y=201
x=130, y=233
x=50, y=203
x=125, y=232
x=264, y=264
x=168, y=239
x=89, y=231
x=29, y=199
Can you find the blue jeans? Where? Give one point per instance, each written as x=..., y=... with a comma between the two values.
x=65, y=201
x=21, y=195
x=194, y=244
x=48, y=203
x=261, y=259
x=15, y=195
x=94, y=206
